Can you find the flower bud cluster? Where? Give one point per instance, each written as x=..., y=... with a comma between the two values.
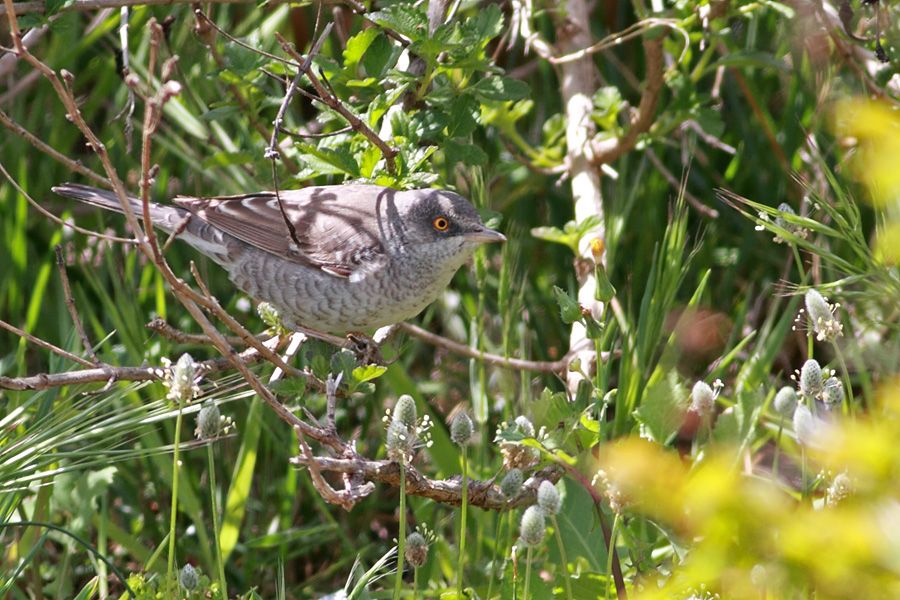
x=405, y=432
x=822, y=316
x=211, y=423
x=181, y=379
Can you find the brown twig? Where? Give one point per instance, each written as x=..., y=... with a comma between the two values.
x=556, y=367
x=55, y=219
x=673, y=181
x=483, y=494
x=38, y=6
x=608, y=150
x=331, y=101
x=70, y=305
x=272, y=152
x=45, y=344
x=107, y=373
x=38, y=143
x=181, y=337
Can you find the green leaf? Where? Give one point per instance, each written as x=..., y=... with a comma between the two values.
x=464, y=112
x=483, y=27
x=241, y=479
x=381, y=56
x=408, y=21
x=358, y=45
x=458, y=151
x=500, y=89
x=662, y=410
x=52, y=7
x=220, y=112
x=368, y=373
x=571, y=233
x=240, y=60
x=330, y=161
x=569, y=309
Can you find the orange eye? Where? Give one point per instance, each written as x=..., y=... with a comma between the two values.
x=441, y=223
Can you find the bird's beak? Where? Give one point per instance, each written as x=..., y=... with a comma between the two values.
x=484, y=236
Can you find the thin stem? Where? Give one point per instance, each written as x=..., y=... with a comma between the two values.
x=527, y=573
x=777, y=448
x=401, y=539
x=494, y=557
x=612, y=548
x=215, y=518
x=174, y=514
x=415, y=583
x=563, y=557
x=462, y=523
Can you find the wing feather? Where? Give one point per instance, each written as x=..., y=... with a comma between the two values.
x=338, y=227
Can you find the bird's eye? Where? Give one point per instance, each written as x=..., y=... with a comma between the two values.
x=441, y=223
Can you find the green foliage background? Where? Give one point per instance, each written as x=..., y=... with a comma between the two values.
x=747, y=105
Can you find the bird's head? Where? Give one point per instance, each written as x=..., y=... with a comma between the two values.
x=442, y=219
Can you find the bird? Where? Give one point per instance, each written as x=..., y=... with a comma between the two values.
x=357, y=257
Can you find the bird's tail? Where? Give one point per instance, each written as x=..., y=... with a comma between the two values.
x=163, y=217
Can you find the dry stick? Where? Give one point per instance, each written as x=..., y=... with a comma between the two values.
x=38, y=143
x=46, y=345
x=335, y=104
x=108, y=373
x=23, y=8
x=181, y=337
x=673, y=181
x=70, y=305
x=55, y=219
x=272, y=152
x=483, y=494
x=555, y=367
x=74, y=114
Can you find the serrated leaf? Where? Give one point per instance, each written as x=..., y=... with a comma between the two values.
x=662, y=410
x=330, y=161
x=569, y=309
x=500, y=89
x=410, y=22
x=464, y=112
x=240, y=60
x=485, y=26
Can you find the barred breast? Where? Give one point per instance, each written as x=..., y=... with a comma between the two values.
x=397, y=290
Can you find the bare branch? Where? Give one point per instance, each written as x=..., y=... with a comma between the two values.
x=181, y=337
x=55, y=219
x=38, y=6
x=70, y=305
x=557, y=367
x=330, y=100
x=483, y=494
x=109, y=373
x=45, y=344
x=38, y=143
x=608, y=150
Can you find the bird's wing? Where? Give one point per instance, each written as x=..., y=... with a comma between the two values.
x=337, y=227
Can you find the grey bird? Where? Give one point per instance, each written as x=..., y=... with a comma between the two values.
x=363, y=256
